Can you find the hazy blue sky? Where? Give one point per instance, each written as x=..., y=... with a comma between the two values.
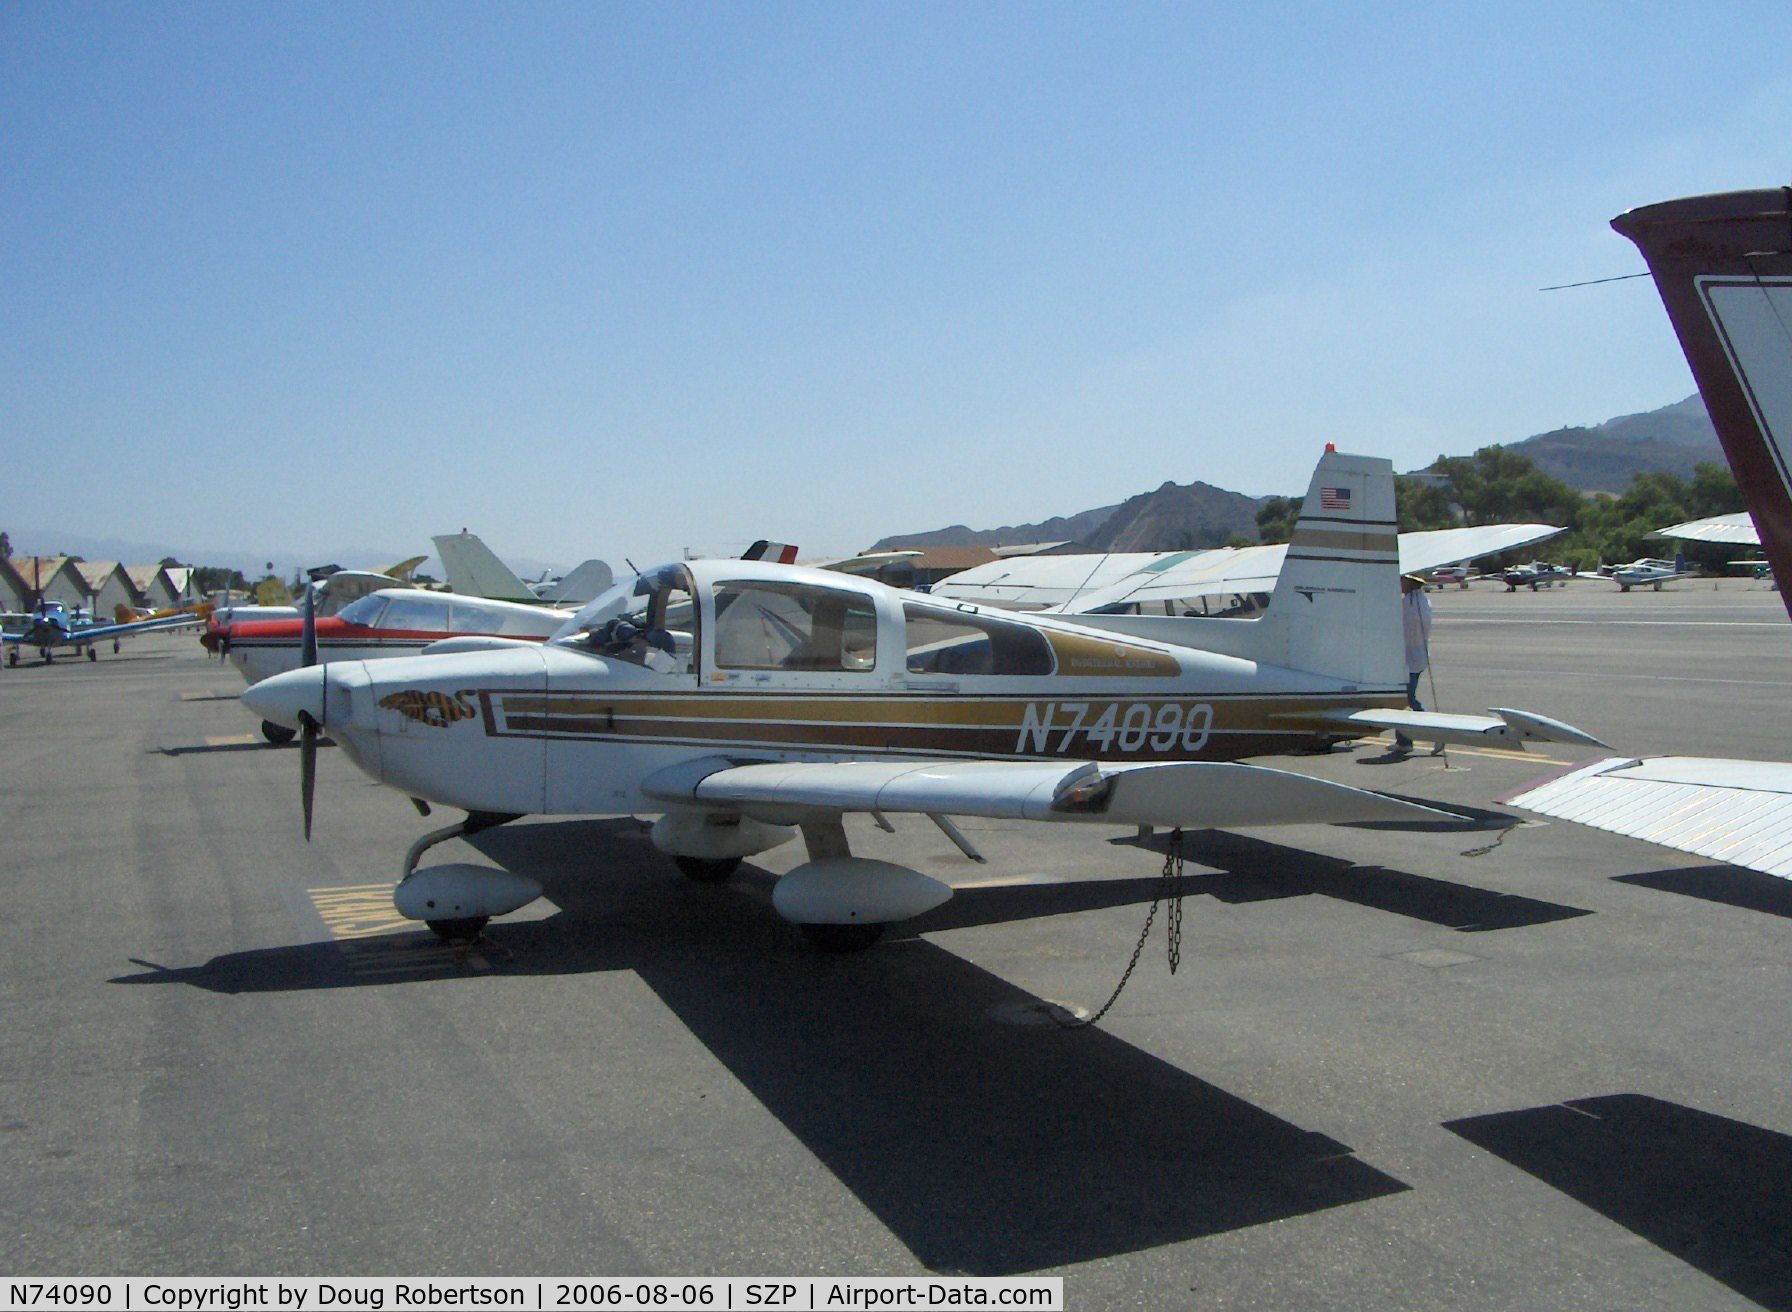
x=621, y=279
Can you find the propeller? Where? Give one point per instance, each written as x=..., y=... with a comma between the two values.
x=308, y=727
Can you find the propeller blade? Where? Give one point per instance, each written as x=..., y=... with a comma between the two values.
x=308, y=636
x=307, y=765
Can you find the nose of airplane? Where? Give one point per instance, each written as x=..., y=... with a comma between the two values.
x=281, y=698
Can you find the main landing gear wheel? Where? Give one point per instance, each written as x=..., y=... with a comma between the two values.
x=92, y=655
x=705, y=871
x=842, y=938
x=464, y=930
x=278, y=734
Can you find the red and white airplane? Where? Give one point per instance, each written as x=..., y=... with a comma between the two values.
x=379, y=625
x=743, y=702
x=1723, y=265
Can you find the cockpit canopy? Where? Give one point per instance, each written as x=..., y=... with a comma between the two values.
x=649, y=620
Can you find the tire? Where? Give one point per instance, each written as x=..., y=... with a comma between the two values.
x=463, y=930
x=704, y=871
x=842, y=938
x=92, y=655
x=278, y=734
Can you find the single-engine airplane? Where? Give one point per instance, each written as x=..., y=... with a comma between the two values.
x=743, y=701
x=1537, y=574
x=1649, y=572
x=52, y=626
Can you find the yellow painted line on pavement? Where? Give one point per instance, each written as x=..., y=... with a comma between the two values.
x=378, y=942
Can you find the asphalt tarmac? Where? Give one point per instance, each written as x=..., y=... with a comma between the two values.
x=1477, y=1067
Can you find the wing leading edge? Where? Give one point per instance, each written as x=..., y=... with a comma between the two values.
x=1191, y=794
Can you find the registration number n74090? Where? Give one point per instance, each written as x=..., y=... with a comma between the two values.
x=1099, y=727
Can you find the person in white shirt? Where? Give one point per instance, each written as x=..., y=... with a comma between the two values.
x=1415, y=618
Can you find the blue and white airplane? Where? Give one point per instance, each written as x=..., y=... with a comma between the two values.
x=51, y=625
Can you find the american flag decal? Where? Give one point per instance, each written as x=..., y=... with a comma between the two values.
x=1334, y=498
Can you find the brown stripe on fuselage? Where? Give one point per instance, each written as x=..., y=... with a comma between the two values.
x=1105, y=727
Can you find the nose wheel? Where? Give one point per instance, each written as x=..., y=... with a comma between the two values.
x=465, y=930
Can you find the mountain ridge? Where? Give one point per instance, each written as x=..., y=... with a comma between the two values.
x=1181, y=517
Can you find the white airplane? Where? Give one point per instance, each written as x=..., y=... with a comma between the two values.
x=1649, y=572
x=1223, y=580
x=1723, y=265
x=378, y=626
x=471, y=569
x=743, y=701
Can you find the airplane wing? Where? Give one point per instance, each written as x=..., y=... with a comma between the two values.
x=95, y=632
x=1175, y=576
x=1735, y=530
x=1429, y=548
x=1044, y=582
x=1734, y=811
x=1192, y=794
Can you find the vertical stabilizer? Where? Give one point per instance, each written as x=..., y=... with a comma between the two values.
x=1723, y=265
x=584, y=583
x=1335, y=611
x=1336, y=607
x=471, y=569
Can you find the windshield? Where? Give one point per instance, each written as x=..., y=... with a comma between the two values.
x=364, y=611
x=652, y=612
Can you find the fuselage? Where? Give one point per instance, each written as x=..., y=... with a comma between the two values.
x=756, y=665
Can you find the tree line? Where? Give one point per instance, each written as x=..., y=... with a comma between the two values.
x=1497, y=486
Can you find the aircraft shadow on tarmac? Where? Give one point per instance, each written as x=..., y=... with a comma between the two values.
x=1714, y=1192
x=1731, y=885
x=1255, y=870
x=986, y=1147
x=258, y=744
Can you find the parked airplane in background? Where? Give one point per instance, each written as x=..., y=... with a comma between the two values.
x=332, y=593
x=51, y=626
x=1648, y=573
x=472, y=570
x=379, y=625
x=1223, y=580
x=1537, y=574
x=1723, y=265
x=743, y=701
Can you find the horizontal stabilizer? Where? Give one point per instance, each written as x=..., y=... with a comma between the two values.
x=1193, y=794
x=1503, y=728
x=1734, y=811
